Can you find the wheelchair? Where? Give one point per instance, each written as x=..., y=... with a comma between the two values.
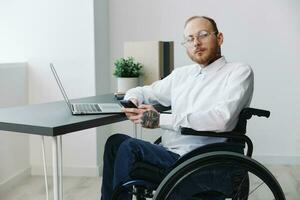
x=226, y=171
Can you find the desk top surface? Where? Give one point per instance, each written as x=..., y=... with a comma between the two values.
x=55, y=118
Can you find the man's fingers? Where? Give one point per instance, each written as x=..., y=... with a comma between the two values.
x=128, y=115
x=131, y=110
x=134, y=114
x=137, y=121
x=135, y=117
x=145, y=106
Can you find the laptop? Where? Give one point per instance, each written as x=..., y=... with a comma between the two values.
x=86, y=108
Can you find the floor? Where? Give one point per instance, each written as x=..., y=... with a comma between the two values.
x=75, y=188
x=82, y=188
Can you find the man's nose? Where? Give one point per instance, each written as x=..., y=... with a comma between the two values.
x=197, y=42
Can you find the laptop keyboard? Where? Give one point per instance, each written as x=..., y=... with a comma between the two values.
x=88, y=108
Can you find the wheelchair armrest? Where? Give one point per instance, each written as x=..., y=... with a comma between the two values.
x=228, y=135
x=247, y=113
x=189, y=131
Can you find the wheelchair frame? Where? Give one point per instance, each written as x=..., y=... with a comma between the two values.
x=194, y=161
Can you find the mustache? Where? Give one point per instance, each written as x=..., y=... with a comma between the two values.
x=199, y=49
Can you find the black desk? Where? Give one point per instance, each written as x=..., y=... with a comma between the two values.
x=55, y=119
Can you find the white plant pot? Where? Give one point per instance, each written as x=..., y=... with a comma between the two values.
x=125, y=84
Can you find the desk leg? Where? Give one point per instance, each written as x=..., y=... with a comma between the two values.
x=45, y=166
x=55, y=168
x=60, y=165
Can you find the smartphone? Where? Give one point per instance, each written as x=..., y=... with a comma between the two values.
x=128, y=104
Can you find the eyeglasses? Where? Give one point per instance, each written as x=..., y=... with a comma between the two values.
x=200, y=36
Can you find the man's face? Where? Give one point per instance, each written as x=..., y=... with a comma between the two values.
x=202, y=44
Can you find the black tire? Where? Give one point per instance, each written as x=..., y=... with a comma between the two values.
x=215, y=159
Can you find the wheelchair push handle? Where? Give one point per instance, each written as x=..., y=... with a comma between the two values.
x=247, y=113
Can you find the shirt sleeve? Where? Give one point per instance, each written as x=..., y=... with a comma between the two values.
x=158, y=92
x=224, y=114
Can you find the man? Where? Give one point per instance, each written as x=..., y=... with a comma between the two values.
x=208, y=95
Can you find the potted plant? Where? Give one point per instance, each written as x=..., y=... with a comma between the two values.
x=127, y=72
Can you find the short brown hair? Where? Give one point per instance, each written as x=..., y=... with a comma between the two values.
x=212, y=22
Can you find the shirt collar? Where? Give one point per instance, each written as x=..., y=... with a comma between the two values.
x=212, y=67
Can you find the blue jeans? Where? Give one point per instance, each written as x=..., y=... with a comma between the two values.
x=121, y=152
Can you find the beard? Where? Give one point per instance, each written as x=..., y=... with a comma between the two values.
x=204, y=56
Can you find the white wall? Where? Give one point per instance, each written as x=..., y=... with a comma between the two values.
x=61, y=32
x=264, y=34
x=14, y=147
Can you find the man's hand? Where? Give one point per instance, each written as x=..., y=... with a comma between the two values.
x=146, y=115
x=133, y=114
x=150, y=117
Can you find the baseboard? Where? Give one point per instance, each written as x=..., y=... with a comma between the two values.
x=14, y=179
x=278, y=160
x=79, y=171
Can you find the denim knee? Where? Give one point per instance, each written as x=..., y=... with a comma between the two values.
x=130, y=146
x=115, y=140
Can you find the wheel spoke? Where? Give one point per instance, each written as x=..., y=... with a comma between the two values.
x=262, y=183
x=239, y=188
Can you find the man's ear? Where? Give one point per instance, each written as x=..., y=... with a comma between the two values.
x=220, y=39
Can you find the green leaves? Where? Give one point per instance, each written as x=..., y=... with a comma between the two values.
x=127, y=67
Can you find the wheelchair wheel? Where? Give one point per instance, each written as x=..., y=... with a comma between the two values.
x=227, y=175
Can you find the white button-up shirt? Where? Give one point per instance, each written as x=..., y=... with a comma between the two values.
x=202, y=98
